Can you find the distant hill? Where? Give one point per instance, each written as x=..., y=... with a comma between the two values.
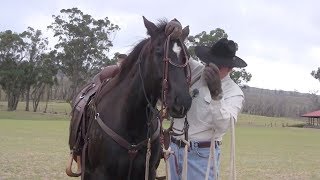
x=279, y=103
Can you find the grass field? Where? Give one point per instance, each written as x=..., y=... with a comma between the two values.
x=34, y=146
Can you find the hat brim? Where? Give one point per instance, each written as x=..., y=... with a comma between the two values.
x=205, y=55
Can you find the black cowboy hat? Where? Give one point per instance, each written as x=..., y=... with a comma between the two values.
x=222, y=53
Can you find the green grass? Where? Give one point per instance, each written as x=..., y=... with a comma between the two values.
x=34, y=146
x=275, y=153
x=33, y=149
x=56, y=107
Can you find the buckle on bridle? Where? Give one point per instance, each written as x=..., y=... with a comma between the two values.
x=132, y=151
x=166, y=59
x=132, y=147
x=96, y=116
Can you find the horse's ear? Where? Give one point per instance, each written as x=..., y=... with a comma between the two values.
x=151, y=27
x=185, y=33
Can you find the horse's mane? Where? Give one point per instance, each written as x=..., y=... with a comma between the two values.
x=133, y=57
x=130, y=62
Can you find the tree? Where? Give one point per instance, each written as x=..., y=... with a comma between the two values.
x=208, y=39
x=240, y=76
x=82, y=45
x=46, y=77
x=315, y=98
x=12, y=66
x=316, y=74
x=35, y=46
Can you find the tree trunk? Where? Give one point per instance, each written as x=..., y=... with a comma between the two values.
x=74, y=88
x=37, y=96
x=27, y=98
x=13, y=99
x=48, y=96
x=10, y=102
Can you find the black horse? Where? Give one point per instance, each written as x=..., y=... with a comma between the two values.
x=122, y=106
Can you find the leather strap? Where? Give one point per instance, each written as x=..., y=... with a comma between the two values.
x=121, y=141
x=201, y=144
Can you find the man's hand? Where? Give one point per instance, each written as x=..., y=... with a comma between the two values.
x=212, y=77
x=174, y=29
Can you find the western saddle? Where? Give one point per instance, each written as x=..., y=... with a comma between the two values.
x=78, y=123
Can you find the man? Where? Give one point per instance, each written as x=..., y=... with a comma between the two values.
x=112, y=70
x=121, y=58
x=209, y=117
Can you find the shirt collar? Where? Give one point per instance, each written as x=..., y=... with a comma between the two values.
x=226, y=78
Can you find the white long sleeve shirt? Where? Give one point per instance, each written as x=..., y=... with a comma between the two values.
x=209, y=118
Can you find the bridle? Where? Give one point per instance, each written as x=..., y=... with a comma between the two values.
x=165, y=81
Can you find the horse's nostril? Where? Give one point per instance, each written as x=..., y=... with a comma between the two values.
x=180, y=109
x=176, y=108
x=177, y=111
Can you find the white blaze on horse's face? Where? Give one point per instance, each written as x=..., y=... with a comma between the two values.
x=176, y=49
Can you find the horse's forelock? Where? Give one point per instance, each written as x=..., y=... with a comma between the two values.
x=162, y=25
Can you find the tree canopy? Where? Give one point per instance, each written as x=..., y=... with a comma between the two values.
x=12, y=66
x=83, y=43
x=316, y=74
x=22, y=64
x=35, y=46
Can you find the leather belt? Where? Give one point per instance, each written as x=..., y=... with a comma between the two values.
x=199, y=144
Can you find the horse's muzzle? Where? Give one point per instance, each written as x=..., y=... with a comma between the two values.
x=180, y=108
x=177, y=111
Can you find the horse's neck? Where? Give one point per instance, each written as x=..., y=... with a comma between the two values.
x=140, y=94
x=135, y=103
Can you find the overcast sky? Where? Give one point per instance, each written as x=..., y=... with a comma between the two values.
x=280, y=41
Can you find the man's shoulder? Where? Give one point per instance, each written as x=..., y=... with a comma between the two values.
x=230, y=88
x=195, y=63
x=196, y=68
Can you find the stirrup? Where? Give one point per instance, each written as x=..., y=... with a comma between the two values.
x=69, y=166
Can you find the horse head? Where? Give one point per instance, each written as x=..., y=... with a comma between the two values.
x=167, y=61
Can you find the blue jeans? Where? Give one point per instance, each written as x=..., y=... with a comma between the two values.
x=197, y=162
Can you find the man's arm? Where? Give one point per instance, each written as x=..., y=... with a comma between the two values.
x=223, y=111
